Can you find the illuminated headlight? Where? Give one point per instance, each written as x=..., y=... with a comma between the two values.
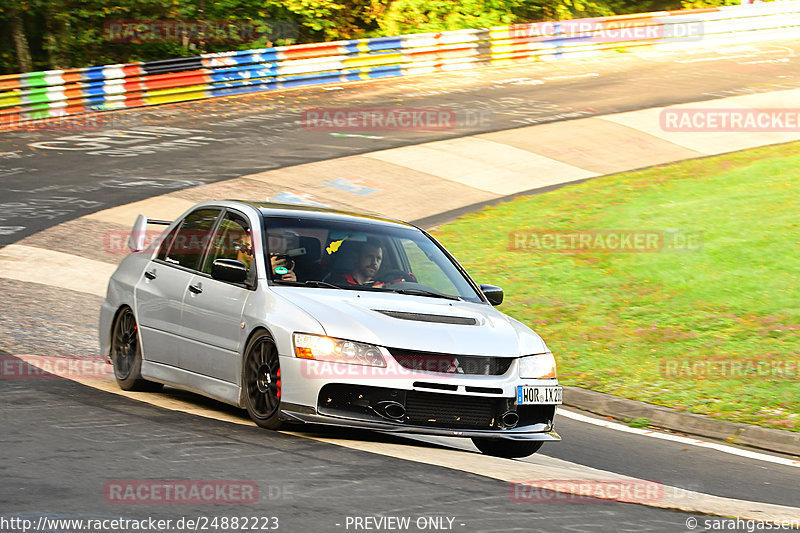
x=537, y=366
x=320, y=348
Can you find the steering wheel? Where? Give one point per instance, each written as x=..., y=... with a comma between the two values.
x=396, y=276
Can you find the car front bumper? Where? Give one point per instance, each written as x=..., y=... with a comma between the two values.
x=536, y=432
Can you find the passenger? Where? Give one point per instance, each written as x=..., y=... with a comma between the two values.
x=281, y=265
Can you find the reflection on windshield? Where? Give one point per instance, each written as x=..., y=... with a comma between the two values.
x=362, y=256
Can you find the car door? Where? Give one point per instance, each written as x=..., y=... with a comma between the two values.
x=161, y=290
x=212, y=314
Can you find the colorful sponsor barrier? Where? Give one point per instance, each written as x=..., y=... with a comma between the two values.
x=40, y=95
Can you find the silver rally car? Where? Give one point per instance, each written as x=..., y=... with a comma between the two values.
x=309, y=315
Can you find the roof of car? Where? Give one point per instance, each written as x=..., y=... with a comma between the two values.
x=304, y=211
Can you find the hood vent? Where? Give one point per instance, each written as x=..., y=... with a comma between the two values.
x=423, y=317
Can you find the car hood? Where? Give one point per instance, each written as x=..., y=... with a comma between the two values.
x=362, y=316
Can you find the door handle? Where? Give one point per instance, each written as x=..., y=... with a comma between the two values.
x=150, y=275
x=196, y=289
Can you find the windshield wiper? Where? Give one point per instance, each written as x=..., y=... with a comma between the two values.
x=318, y=283
x=423, y=292
x=309, y=283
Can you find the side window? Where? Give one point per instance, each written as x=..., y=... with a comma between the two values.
x=232, y=240
x=192, y=238
x=163, y=248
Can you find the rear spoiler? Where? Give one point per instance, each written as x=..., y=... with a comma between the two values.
x=136, y=240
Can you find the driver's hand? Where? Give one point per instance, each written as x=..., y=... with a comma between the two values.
x=276, y=262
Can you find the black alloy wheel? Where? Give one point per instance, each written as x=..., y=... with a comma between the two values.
x=262, y=381
x=126, y=354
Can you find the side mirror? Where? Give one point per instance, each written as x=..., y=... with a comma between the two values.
x=493, y=294
x=229, y=270
x=138, y=234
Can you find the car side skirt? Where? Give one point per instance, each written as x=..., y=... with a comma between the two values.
x=190, y=381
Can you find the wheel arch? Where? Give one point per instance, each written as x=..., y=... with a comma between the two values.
x=109, y=331
x=255, y=331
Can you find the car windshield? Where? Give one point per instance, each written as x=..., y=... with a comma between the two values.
x=364, y=256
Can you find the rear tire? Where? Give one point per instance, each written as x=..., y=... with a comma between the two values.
x=261, y=381
x=509, y=449
x=126, y=354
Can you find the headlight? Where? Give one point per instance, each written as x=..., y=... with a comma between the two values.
x=537, y=366
x=320, y=348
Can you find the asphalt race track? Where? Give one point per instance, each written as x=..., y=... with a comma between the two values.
x=63, y=443
x=51, y=177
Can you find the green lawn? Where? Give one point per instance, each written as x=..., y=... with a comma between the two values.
x=633, y=324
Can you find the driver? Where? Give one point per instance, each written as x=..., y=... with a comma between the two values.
x=368, y=262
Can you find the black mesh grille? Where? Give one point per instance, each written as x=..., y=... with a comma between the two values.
x=432, y=409
x=445, y=410
x=451, y=363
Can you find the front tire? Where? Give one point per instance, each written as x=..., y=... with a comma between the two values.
x=261, y=380
x=510, y=449
x=126, y=354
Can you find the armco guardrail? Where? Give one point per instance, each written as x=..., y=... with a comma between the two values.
x=37, y=95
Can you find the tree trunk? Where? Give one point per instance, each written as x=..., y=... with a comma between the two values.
x=201, y=11
x=20, y=42
x=59, y=56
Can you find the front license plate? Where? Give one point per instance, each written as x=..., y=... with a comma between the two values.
x=539, y=395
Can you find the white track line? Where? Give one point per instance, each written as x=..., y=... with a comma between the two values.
x=677, y=438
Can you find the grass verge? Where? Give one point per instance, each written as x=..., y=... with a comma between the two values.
x=707, y=320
